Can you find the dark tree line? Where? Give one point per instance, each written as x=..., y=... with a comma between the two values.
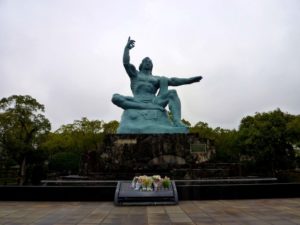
x=266, y=142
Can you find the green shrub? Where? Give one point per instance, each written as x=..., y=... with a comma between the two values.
x=65, y=162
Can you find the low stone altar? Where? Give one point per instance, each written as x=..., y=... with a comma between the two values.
x=126, y=195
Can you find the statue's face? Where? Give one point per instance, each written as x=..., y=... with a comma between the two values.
x=147, y=64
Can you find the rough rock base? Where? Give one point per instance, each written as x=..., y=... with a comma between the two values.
x=148, y=122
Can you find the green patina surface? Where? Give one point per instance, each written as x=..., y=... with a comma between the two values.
x=145, y=111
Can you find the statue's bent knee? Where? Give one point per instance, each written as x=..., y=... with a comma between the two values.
x=173, y=94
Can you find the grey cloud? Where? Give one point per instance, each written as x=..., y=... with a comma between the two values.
x=68, y=55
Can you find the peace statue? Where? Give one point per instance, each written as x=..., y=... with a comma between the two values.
x=145, y=111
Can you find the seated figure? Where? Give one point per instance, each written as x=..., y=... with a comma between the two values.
x=145, y=111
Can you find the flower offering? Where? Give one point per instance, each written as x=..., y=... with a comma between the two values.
x=150, y=183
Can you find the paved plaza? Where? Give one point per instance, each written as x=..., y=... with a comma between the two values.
x=222, y=212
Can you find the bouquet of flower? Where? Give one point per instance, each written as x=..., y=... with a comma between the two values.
x=166, y=182
x=134, y=183
x=142, y=183
x=156, y=182
x=146, y=183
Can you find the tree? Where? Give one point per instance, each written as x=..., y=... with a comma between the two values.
x=65, y=162
x=111, y=127
x=22, y=128
x=293, y=130
x=203, y=130
x=82, y=135
x=82, y=138
x=264, y=139
x=224, y=141
x=226, y=145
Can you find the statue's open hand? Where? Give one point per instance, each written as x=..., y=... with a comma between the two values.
x=196, y=79
x=130, y=43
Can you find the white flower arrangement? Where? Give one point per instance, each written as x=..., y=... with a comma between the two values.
x=150, y=183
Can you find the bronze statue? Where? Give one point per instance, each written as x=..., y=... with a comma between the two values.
x=145, y=98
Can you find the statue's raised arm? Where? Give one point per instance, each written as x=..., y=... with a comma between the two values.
x=130, y=69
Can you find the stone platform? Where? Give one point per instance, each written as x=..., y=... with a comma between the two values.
x=127, y=155
x=186, y=191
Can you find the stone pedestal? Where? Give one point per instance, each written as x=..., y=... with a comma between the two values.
x=137, y=154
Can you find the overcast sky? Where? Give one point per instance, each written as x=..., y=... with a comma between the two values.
x=68, y=55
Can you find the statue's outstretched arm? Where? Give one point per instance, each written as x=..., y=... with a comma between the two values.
x=130, y=69
x=174, y=81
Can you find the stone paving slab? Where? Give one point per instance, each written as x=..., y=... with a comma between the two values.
x=221, y=212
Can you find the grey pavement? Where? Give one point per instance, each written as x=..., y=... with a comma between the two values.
x=220, y=212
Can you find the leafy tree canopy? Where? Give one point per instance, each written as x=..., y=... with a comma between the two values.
x=23, y=127
x=264, y=138
x=203, y=130
x=111, y=127
x=81, y=136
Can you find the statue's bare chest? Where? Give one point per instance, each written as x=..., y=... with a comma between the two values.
x=142, y=78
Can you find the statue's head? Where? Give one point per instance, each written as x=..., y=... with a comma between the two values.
x=146, y=64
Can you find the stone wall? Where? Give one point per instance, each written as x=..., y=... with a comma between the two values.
x=131, y=154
